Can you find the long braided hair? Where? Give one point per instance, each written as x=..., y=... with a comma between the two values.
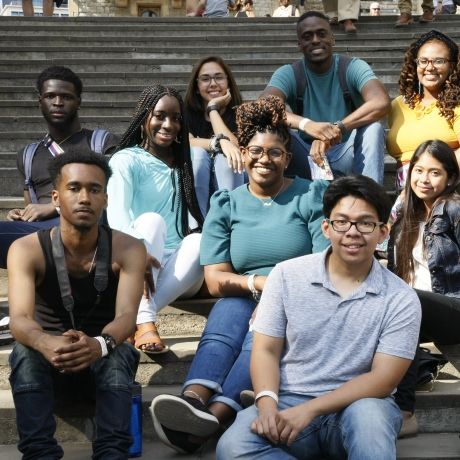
x=449, y=96
x=181, y=150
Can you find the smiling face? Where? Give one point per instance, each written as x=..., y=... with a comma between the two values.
x=315, y=40
x=266, y=173
x=433, y=78
x=80, y=193
x=352, y=248
x=59, y=102
x=163, y=124
x=429, y=179
x=211, y=89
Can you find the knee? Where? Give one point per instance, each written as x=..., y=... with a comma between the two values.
x=200, y=157
x=191, y=243
x=373, y=130
x=373, y=419
x=226, y=448
x=29, y=369
x=118, y=369
x=150, y=224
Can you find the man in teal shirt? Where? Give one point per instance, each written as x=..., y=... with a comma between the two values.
x=351, y=139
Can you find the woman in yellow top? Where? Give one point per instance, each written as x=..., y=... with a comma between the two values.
x=429, y=104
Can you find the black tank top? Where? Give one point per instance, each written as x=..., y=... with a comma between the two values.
x=49, y=310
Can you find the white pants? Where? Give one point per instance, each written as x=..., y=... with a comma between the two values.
x=180, y=275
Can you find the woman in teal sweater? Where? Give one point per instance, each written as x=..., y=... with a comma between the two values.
x=246, y=233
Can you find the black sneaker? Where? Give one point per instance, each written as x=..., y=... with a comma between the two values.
x=175, y=439
x=184, y=414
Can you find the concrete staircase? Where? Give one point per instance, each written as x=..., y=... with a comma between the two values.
x=116, y=58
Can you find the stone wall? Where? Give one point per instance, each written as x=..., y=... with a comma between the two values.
x=163, y=7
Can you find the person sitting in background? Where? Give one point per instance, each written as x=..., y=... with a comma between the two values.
x=246, y=233
x=424, y=250
x=405, y=7
x=73, y=294
x=374, y=9
x=151, y=194
x=285, y=10
x=245, y=9
x=333, y=336
x=344, y=12
x=210, y=104
x=429, y=103
x=59, y=98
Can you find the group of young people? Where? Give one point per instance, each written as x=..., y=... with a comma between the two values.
x=203, y=183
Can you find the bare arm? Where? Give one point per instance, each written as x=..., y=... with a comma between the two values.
x=324, y=131
x=376, y=106
x=25, y=266
x=265, y=375
x=222, y=281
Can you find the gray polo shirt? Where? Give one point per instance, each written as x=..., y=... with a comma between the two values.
x=330, y=339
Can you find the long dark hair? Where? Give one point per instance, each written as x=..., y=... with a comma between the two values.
x=414, y=209
x=449, y=96
x=181, y=150
x=194, y=101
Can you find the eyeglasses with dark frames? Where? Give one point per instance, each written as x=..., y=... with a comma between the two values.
x=219, y=78
x=436, y=62
x=363, y=226
x=256, y=152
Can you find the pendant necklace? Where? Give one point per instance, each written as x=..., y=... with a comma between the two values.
x=270, y=201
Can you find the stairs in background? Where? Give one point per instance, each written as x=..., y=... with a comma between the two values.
x=116, y=58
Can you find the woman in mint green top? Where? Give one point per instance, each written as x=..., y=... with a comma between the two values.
x=246, y=233
x=151, y=194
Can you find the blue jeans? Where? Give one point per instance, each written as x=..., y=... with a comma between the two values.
x=222, y=359
x=362, y=153
x=12, y=230
x=365, y=430
x=36, y=385
x=212, y=175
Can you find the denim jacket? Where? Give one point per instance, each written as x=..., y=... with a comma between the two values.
x=442, y=245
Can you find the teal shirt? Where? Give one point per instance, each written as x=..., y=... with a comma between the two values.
x=239, y=229
x=323, y=98
x=142, y=183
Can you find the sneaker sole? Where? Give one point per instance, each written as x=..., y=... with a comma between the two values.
x=176, y=414
x=163, y=438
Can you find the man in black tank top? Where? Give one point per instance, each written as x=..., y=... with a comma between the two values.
x=74, y=292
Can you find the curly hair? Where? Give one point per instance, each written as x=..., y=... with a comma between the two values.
x=181, y=150
x=267, y=114
x=449, y=96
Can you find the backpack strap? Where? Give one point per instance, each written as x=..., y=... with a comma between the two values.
x=293, y=7
x=98, y=139
x=301, y=85
x=27, y=158
x=344, y=62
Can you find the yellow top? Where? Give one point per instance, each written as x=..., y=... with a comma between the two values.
x=410, y=127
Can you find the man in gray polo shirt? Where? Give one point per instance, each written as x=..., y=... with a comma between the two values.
x=334, y=334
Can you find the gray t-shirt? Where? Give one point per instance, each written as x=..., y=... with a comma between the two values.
x=330, y=339
x=217, y=8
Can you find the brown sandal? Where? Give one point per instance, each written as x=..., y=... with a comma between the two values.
x=148, y=340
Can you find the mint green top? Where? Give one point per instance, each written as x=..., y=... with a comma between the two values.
x=239, y=229
x=323, y=99
x=142, y=183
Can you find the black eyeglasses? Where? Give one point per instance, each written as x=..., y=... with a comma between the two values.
x=256, y=152
x=363, y=226
x=219, y=78
x=436, y=62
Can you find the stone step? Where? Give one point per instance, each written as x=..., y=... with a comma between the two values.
x=75, y=425
x=427, y=446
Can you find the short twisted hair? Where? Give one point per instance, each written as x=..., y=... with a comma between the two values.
x=449, y=96
x=181, y=149
x=267, y=114
x=57, y=72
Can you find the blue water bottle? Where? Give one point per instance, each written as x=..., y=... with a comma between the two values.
x=136, y=421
